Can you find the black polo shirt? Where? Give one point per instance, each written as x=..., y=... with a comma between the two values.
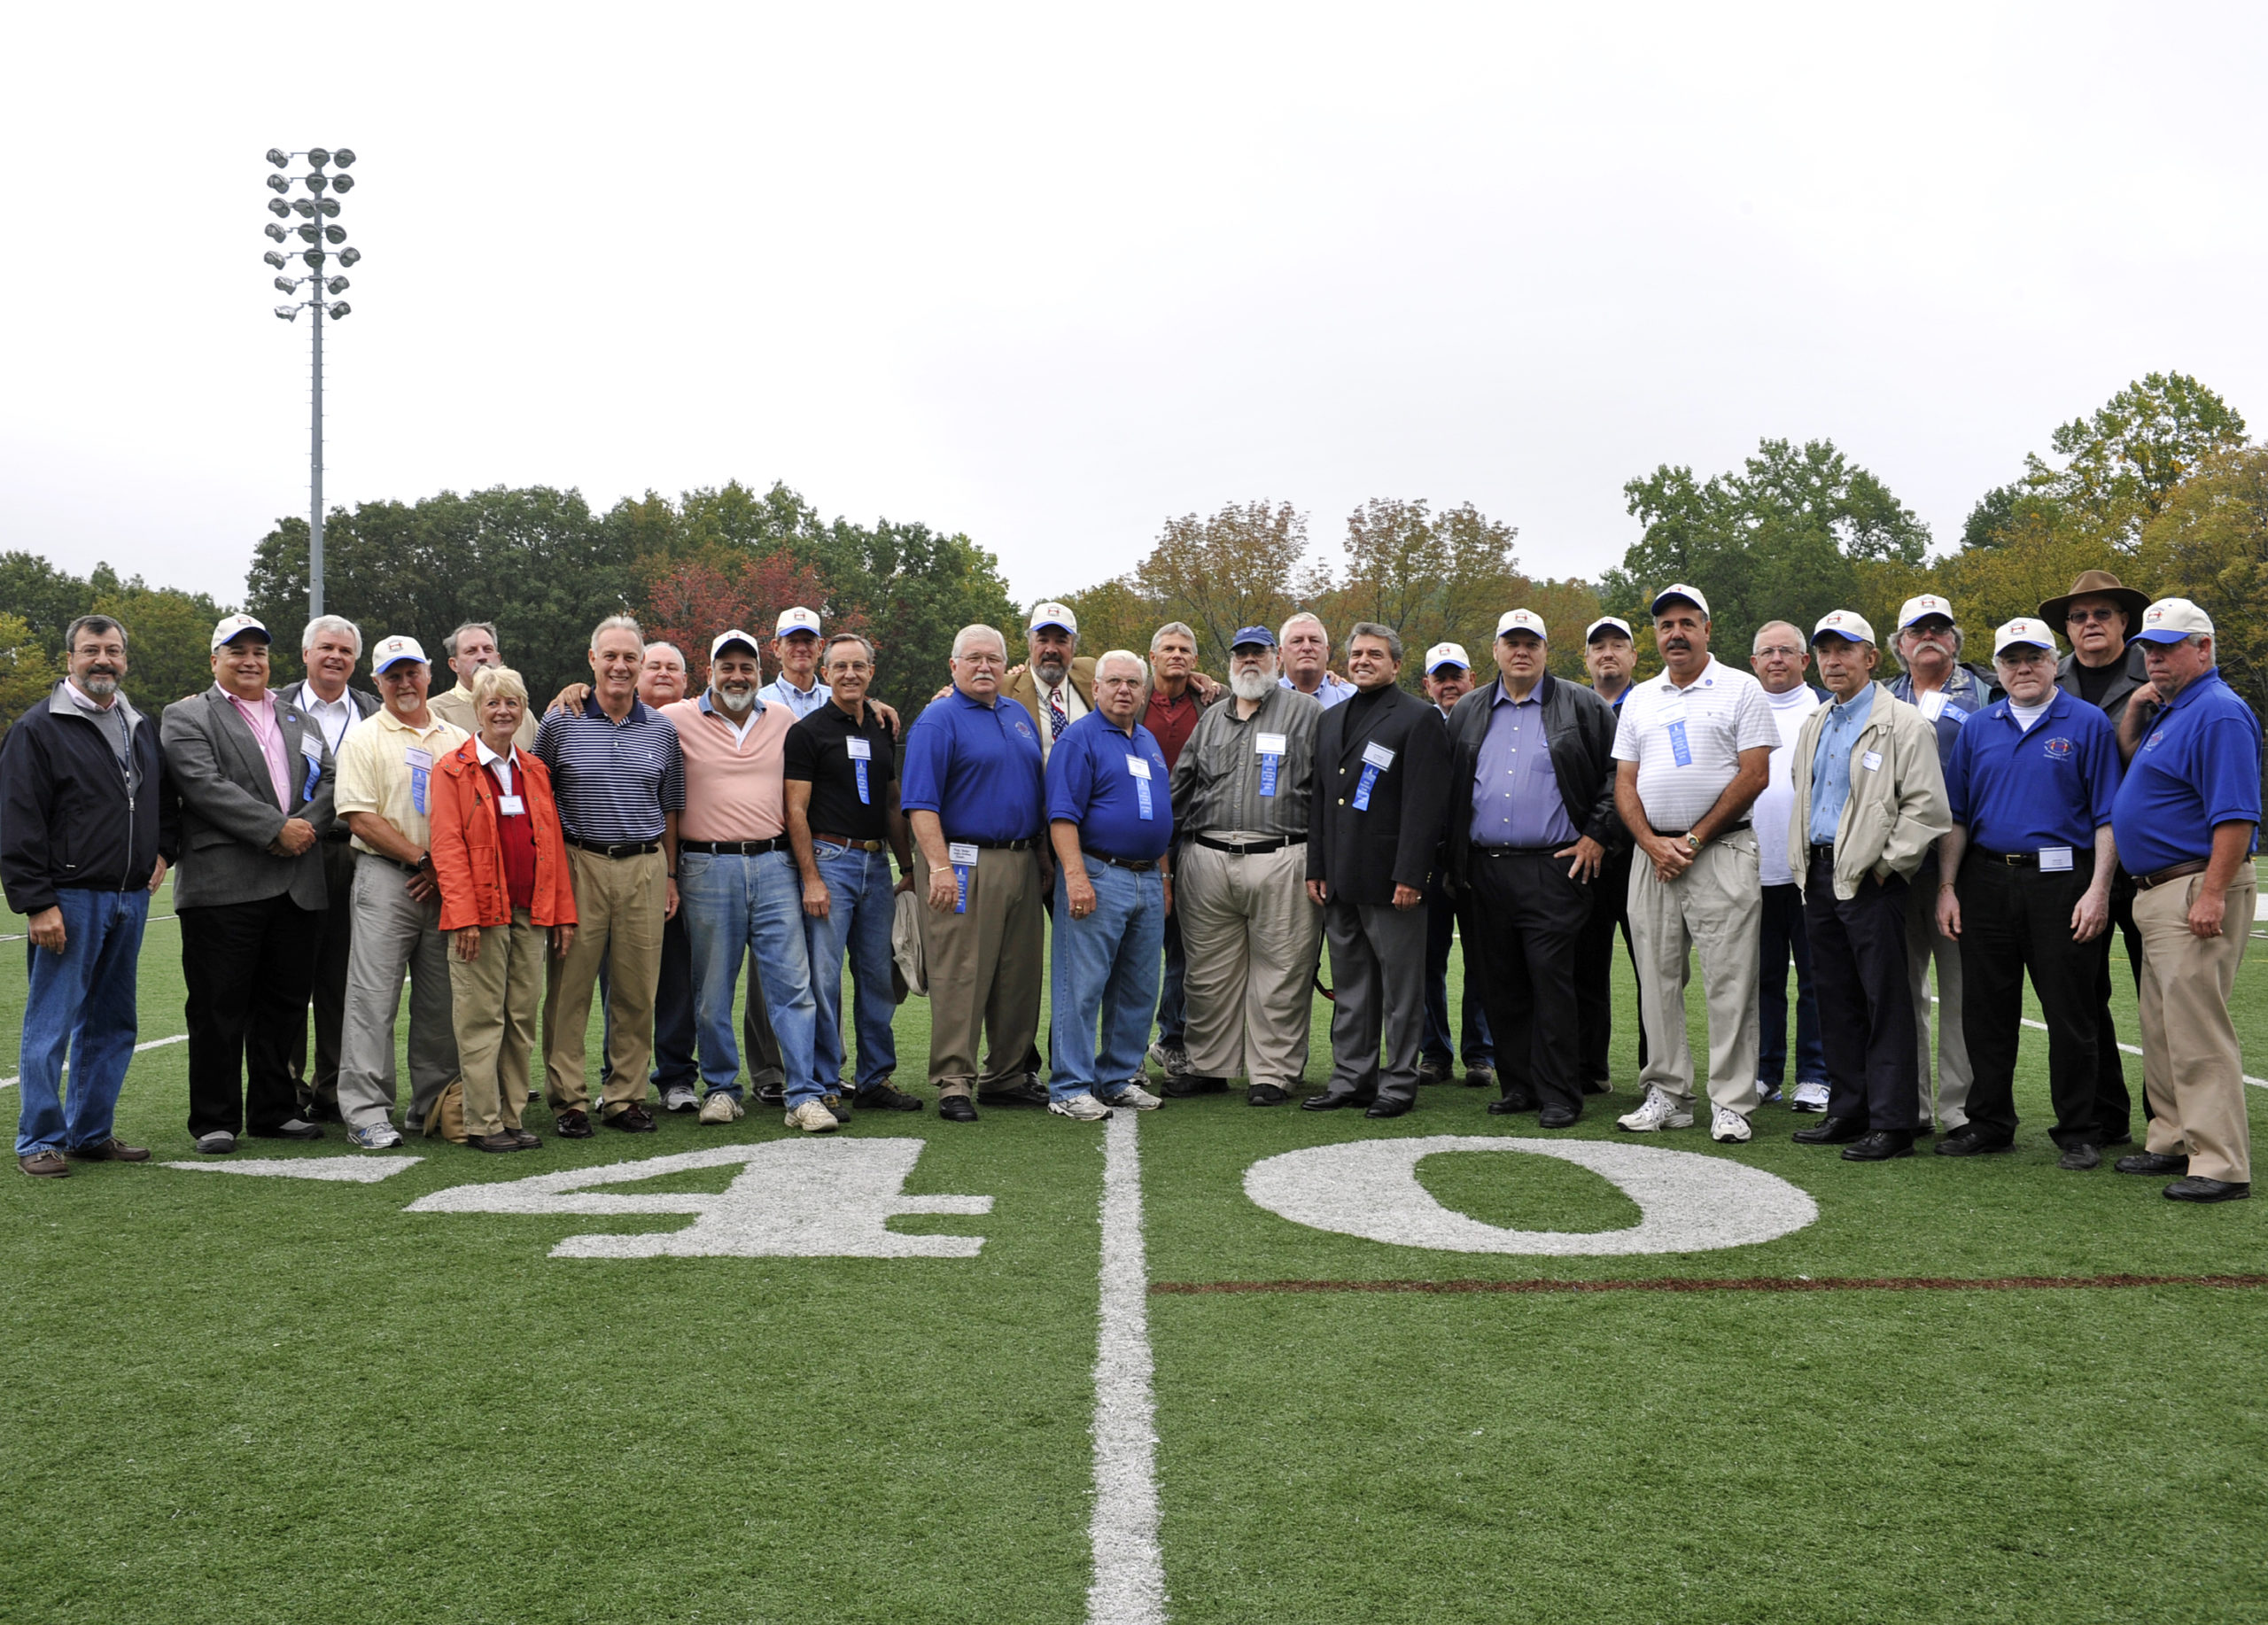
x=818, y=754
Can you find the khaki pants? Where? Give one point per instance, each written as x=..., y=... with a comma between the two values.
x=1250, y=937
x=2191, y=1064
x=395, y=934
x=618, y=907
x=984, y=967
x=498, y=1002
x=1924, y=943
x=1716, y=907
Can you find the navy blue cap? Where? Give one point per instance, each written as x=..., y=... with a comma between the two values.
x=1253, y=635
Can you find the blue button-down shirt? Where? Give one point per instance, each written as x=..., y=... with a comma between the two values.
x=2019, y=791
x=1331, y=691
x=1830, y=763
x=2198, y=765
x=977, y=767
x=1516, y=800
x=1091, y=783
x=780, y=691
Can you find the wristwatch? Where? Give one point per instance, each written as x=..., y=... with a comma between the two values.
x=1693, y=841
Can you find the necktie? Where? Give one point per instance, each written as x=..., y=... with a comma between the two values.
x=1057, y=722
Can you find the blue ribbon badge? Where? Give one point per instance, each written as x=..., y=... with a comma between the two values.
x=862, y=751
x=963, y=855
x=1672, y=717
x=1271, y=748
x=1375, y=759
x=311, y=750
x=1140, y=769
x=421, y=770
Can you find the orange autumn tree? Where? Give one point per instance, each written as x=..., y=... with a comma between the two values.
x=689, y=601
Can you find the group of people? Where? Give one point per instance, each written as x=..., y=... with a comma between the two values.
x=1193, y=843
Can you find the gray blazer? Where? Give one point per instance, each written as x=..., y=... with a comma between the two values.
x=227, y=802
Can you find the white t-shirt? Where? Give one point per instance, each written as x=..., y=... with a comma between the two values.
x=2026, y=715
x=1778, y=803
x=1723, y=713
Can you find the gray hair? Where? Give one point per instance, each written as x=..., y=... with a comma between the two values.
x=612, y=623
x=492, y=681
x=851, y=637
x=449, y=643
x=98, y=624
x=1898, y=642
x=1768, y=626
x=1285, y=631
x=664, y=643
x=1172, y=628
x=1141, y=667
x=978, y=630
x=330, y=623
x=1385, y=634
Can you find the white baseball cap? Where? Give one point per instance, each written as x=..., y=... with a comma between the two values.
x=797, y=619
x=1919, y=605
x=394, y=650
x=2169, y=621
x=2023, y=629
x=734, y=635
x=1522, y=620
x=1447, y=654
x=236, y=626
x=1845, y=624
x=1052, y=615
x=1609, y=623
x=1679, y=590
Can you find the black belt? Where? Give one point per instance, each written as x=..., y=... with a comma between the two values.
x=1679, y=835
x=1822, y=851
x=1024, y=845
x=1140, y=866
x=843, y=840
x=1251, y=849
x=1514, y=851
x=618, y=849
x=735, y=849
x=2025, y=860
x=407, y=868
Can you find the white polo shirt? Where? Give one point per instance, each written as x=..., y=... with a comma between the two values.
x=1723, y=712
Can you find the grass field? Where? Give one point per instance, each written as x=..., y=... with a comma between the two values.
x=239, y=1399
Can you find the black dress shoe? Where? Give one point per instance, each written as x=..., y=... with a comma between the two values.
x=1830, y=1131
x=573, y=1124
x=1265, y=1095
x=1963, y=1143
x=1186, y=1083
x=957, y=1109
x=1879, y=1147
x=1558, y=1118
x=1504, y=1108
x=887, y=1097
x=1385, y=1106
x=1328, y=1103
x=772, y=1094
x=1520, y=1099
x=527, y=1141
x=1025, y=1093
x=2152, y=1162
x=2196, y=1187
x=2079, y=1158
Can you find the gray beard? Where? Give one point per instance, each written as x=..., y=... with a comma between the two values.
x=736, y=702
x=1253, y=685
x=95, y=688
x=1050, y=673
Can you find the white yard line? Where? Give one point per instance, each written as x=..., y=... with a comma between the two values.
x=1130, y=1583
x=153, y=920
x=179, y=1037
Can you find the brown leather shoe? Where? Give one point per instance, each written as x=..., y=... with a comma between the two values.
x=111, y=1150
x=494, y=1142
x=45, y=1165
x=631, y=1120
x=526, y=1141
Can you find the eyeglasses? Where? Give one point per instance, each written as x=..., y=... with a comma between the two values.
x=1779, y=648
x=2080, y=618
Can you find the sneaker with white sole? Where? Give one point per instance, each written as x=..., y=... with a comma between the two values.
x=681, y=1097
x=721, y=1108
x=1810, y=1098
x=1766, y=1092
x=376, y=1137
x=813, y=1118
x=1169, y=1058
x=220, y=1142
x=1727, y=1127
x=1134, y=1095
x=1658, y=1111
x=1081, y=1107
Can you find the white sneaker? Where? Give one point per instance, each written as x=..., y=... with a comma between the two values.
x=380, y=1135
x=1134, y=1095
x=1811, y=1098
x=1727, y=1127
x=681, y=1097
x=721, y=1108
x=811, y=1118
x=1080, y=1108
x=1656, y=1111
x=1172, y=1059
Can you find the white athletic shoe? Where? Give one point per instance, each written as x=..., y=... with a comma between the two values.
x=380, y=1135
x=1080, y=1109
x=1171, y=1059
x=1656, y=1112
x=1727, y=1127
x=721, y=1108
x=813, y=1118
x=681, y=1097
x=1811, y=1098
x=1134, y=1095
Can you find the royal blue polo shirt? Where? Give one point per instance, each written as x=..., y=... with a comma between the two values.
x=2019, y=791
x=977, y=767
x=2199, y=766
x=1092, y=782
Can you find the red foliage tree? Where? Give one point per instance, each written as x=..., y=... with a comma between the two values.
x=690, y=602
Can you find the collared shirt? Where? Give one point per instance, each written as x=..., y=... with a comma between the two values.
x=1216, y=784
x=817, y=753
x=1099, y=779
x=1064, y=696
x=800, y=704
x=501, y=766
x=1172, y=720
x=2198, y=765
x=1331, y=691
x=978, y=767
x=1776, y=804
x=332, y=718
x=116, y=720
x=1830, y=762
x=2019, y=790
x=615, y=782
x=1723, y=712
x=375, y=771
x=1516, y=800
x=1948, y=709
x=268, y=732
x=733, y=787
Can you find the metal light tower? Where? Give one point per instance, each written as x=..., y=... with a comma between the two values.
x=320, y=205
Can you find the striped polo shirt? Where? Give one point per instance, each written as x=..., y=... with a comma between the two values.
x=614, y=782
x=1724, y=712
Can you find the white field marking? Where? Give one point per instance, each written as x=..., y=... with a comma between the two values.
x=1687, y=1202
x=350, y=1169
x=1130, y=1583
x=2258, y=1083
x=792, y=1199
x=179, y=1037
x=152, y=919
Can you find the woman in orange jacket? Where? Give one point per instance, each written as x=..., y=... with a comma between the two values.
x=501, y=861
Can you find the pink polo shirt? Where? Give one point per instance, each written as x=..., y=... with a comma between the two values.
x=260, y=720
x=734, y=785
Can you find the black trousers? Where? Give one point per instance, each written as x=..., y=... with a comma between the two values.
x=2114, y=1104
x=320, y=1087
x=248, y=966
x=2014, y=920
x=1595, y=967
x=1442, y=1046
x=1526, y=918
x=1866, y=1004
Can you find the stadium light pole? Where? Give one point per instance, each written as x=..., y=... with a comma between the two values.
x=320, y=205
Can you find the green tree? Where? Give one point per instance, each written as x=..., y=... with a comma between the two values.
x=2209, y=543
x=2122, y=464
x=27, y=675
x=1433, y=577
x=47, y=600
x=169, y=638
x=1245, y=566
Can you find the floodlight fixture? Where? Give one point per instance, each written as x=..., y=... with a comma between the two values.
x=343, y=157
x=348, y=256
x=289, y=313
x=314, y=258
x=334, y=234
x=275, y=232
x=318, y=182
x=279, y=208
x=337, y=284
x=328, y=207
x=278, y=183
x=342, y=182
x=286, y=284
x=308, y=234
x=320, y=204
x=304, y=208
x=341, y=308
x=278, y=157
x=276, y=259
x=318, y=156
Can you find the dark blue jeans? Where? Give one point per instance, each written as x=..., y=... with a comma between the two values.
x=1780, y=939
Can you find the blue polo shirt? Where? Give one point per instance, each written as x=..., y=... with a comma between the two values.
x=1092, y=782
x=2017, y=792
x=977, y=767
x=2199, y=766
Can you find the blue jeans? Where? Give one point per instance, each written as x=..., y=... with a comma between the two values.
x=860, y=912
x=82, y=1000
x=1173, y=1003
x=734, y=905
x=1105, y=975
x=1780, y=938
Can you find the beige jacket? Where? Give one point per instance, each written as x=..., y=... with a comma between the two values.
x=1897, y=806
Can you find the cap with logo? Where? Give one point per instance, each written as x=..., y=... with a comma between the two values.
x=1522, y=620
x=233, y=626
x=2024, y=632
x=747, y=640
x=1248, y=637
x=2169, y=621
x=797, y=619
x=1052, y=615
x=1921, y=606
x=1673, y=592
x=1848, y=624
x=1447, y=654
x=1608, y=623
x=395, y=650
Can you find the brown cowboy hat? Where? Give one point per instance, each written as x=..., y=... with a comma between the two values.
x=2097, y=584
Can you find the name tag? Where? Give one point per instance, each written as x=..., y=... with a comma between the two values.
x=511, y=806
x=1671, y=713
x=861, y=749
x=1933, y=704
x=1378, y=756
x=961, y=854
x=311, y=747
x=418, y=759
x=1269, y=744
x=1139, y=768
x=421, y=772
x=1871, y=761
x=1271, y=747
x=2055, y=859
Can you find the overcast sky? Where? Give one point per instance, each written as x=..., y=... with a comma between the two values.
x=1050, y=275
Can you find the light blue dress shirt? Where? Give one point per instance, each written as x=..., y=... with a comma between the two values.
x=1830, y=764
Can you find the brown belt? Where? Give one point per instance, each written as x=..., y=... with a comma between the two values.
x=2176, y=871
x=844, y=839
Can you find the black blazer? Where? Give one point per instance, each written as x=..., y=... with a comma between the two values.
x=1365, y=855
x=1580, y=727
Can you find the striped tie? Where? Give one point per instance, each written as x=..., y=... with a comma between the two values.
x=1057, y=722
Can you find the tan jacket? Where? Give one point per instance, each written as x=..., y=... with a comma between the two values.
x=1897, y=806
x=1025, y=689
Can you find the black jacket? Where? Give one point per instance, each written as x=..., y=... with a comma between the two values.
x=2132, y=675
x=1580, y=727
x=1365, y=854
x=67, y=815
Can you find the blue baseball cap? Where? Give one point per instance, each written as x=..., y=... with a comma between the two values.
x=1259, y=635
